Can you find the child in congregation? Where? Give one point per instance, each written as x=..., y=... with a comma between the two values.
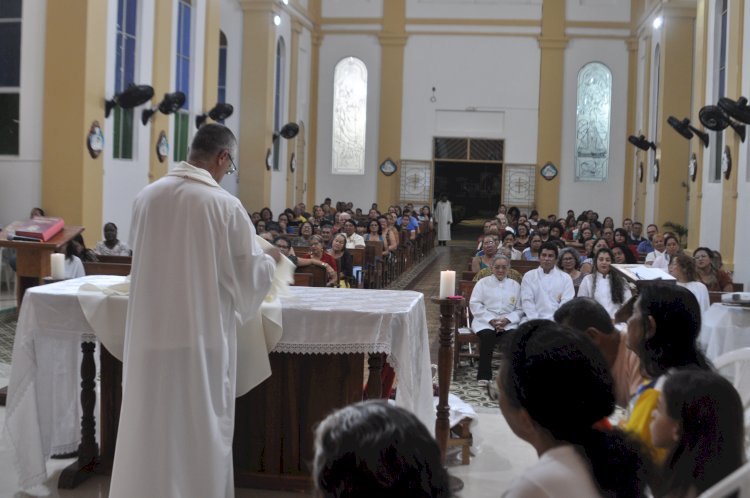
x=699, y=421
x=373, y=449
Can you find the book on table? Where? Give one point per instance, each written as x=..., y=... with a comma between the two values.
x=41, y=228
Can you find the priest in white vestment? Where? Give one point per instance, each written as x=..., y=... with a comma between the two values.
x=196, y=265
x=546, y=288
x=444, y=219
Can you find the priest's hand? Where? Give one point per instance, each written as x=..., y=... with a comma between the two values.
x=274, y=252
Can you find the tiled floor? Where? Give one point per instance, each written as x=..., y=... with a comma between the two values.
x=499, y=454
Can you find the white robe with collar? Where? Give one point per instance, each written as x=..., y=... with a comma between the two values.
x=542, y=293
x=196, y=263
x=602, y=294
x=492, y=299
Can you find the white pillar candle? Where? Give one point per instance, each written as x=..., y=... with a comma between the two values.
x=57, y=263
x=447, y=283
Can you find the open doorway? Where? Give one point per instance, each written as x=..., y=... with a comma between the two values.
x=472, y=187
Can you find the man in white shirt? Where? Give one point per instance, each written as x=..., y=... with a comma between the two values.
x=658, y=258
x=196, y=267
x=353, y=239
x=545, y=289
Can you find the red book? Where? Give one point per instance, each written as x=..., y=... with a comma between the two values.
x=42, y=228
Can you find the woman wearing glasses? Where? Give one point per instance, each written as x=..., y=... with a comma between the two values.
x=318, y=257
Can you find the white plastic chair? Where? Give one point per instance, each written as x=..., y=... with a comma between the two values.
x=735, y=366
x=736, y=482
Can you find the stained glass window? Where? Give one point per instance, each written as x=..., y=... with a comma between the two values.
x=593, y=122
x=349, y=117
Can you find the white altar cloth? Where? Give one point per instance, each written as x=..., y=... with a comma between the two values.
x=725, y=328
x=43, y=410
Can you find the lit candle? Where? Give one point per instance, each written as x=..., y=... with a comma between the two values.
x=57, y=263
x=447, y=283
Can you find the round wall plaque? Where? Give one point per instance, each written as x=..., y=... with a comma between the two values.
x=548, y=171
x=162, y=147
x=95, y=140
x=388, y=167
x=692, y=167
x=726, y=162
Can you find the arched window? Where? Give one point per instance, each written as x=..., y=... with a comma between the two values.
x=278, y=101
x=593, y=113
x=127, y=17
x=349, y=117
x=10, y=76
x=182, y=76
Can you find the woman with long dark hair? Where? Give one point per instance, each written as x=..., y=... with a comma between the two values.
x=663, y=331
x=556, y=394
x=605, y=285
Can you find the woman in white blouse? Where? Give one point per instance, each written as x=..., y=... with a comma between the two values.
x=496, y=307
x=682, y=267
x=604, y=285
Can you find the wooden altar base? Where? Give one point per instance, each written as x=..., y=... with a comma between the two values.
x=274, y=423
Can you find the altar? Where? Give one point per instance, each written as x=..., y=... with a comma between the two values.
x=318, y=366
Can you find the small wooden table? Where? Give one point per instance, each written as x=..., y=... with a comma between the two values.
x=33, y=258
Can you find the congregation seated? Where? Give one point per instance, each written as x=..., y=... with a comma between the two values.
x=344, y=260
x=372, y=449
x=682, y=267
x=606, y=286
x=531, y=253
x=73, y=264
x=715, y=280
x=570, y=262
x=587, y=265
x=318, y=257
x=700, y=423
x=663, y=331
x=509, y=241
x=489, y=249
x=545, y=288
x=588, y=317
x=353, y=239
x=495, y=305
x=623, y=254
x=306, y=230
x=375, y=234
x=556, y=394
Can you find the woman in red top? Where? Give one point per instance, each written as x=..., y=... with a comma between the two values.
x=322, y=258
x=715, y=280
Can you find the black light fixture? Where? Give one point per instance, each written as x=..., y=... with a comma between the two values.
x=288, y=131
x=687, y=130
x=641, y=142
x=714, y=118
x=169, y=105
x=738, y=109
x=219, y=112
x=132, y=96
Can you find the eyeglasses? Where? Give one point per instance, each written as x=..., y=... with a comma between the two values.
x=232, y=169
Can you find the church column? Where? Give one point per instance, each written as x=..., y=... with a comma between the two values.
x=700, y=76
x=731, y=139
x=392, y=42
x=256, y=117
x=552, y=44
x=293, y=86
x=642, y=157
x=161, y=81
x=311, y=154
x=675, y=38
x=73, y=99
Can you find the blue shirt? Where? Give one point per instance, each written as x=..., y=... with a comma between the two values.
x=413, y=223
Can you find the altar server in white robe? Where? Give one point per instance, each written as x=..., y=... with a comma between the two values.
x=604, y=285
x=495, y=304
x=444, y=219
x=196, y=265
x=546, y=288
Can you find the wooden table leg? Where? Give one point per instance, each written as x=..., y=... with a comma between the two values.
x=374, y=382
x=88, y=450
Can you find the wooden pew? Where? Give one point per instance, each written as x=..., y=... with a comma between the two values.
x=124, y=260
x=303, y=279
x=319, y=276
x=463, y=333
x=99, y=268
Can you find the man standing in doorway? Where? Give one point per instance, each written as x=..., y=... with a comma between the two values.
x=196, y=264
x=444, y=219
